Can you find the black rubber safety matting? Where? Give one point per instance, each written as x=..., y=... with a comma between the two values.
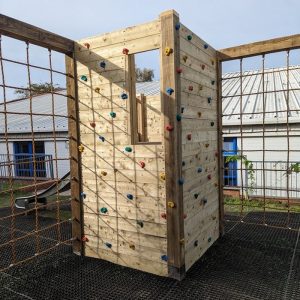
x=249, y=262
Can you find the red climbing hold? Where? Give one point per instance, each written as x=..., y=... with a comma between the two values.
x=184, y=216
x=169, y=128
x=85, y=239
x=142, y=164
x=191, y=88
x=125, y=51
x=93, y=124
x=87, y=45
x=209, y=177
x=189, y=136
x=179, y=70
x=163, y=215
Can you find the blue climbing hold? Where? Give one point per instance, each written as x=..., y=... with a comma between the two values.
x=83, y=195
x=196, y=195
x=140, y=223
x=204, y=200
x=180, y=181
x=103, y=210
x=199, y=170
x=108, y=245
x=102, y=138
x=178, y=118
x=183, y=163
x=130, y=196
x=177, y=26
x=209, y=99
x=213, y=82
x=124, y=96
x=169, y=91
x=205, y=46
x=102, y=64
x=164, y=257
x=209, y=239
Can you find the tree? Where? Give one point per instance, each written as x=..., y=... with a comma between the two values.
x=144, y=75
x=37, y=89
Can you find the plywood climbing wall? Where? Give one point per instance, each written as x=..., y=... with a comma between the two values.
x=122, y=182
x=198, y=67
x=149, y=163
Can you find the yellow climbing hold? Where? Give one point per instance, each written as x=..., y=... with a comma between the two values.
x=162, y=176
x=103, y=173
x=80, y=148
x=168, y=51
x=171, y=204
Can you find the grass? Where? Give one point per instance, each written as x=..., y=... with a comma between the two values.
x=233, y=205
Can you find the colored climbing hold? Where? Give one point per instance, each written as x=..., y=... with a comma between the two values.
x=184, y=216
x=189, y=136
x=102, y=138
x=191, y=88
x=103, y=173
x=212, y=61
x=209, y=99
x=196, y=195
x=212, y=123
x=196, y=243
x=182, y=110
x=97, y=90
x=125, y=51
x=178, y=118
x=204, y=200
x=108, y=245
x=93, y=124
x=177, y=26
x=164, y=257
x=131, y=246
x=205, y=46
x=169, y=91
x=199, y=114
x=162, y=176
x=216, y=154
x=179, y=70
x=128, y=149
x=206, y=145
x=124, y=96
x=83, y=195
x=113, y=114
x=184, y=57
x=140, y=223
x=130, y=196
x=171, y=204
x=209, y=177
x=83, y=78
x=200, y=88
x=102, y=64
x=85, y=239
x=199, y=170
x=180, y=181
x=168, y=51
x=213, y=82
x=142, y=164
x=80, y=148
x=87, y=45
x=183, y=163
x=103, y=210
x=203, y=67
x=209, y=239
x=163, y=215
x=169, y=128
x=189, y=37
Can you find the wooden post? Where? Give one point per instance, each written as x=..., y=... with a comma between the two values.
x=171, y=106
x=220, y=147
x=75, y=171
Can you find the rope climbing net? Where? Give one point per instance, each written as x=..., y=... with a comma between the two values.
x=261, y=142
x=35, y=196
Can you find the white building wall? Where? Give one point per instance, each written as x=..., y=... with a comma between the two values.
x=3, y=158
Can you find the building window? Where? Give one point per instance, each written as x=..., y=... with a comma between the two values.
x=145, y=100
x=24, y=159
x=230, y=168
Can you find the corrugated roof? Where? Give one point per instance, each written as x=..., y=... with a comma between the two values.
x=275, y=93
x=148, y=88
x=17, y=123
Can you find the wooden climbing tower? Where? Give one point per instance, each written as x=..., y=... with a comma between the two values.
x=147, y=204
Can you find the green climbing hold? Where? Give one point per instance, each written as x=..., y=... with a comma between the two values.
x=83, y=78
x=103, y=210
x=113, y=114
x=189, y=37
x=128, y=149
x=178, y=118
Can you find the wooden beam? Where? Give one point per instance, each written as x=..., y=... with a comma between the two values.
x=34, y=35
x=75, y=160
x=171, y=106
x=262, y=47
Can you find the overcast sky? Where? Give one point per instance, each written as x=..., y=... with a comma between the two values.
x=222, y=23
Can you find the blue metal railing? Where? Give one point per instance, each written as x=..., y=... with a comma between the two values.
x=22, y=165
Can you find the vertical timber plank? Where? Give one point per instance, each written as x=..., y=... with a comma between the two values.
x=220, y=147
x=75, y=172
x=171, y=106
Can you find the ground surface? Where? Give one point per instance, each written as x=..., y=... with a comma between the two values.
x=249, y=262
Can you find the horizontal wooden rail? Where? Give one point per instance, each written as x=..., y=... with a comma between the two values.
x=259, y=48
x=35, y=35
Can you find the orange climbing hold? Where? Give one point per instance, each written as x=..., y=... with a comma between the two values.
x=87, y=45
x=93, y=124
